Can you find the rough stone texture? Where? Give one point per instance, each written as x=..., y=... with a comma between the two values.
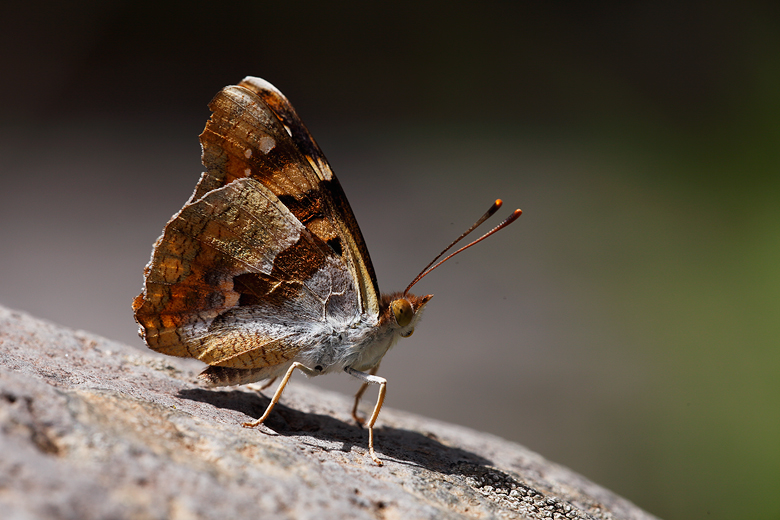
x=91, y=428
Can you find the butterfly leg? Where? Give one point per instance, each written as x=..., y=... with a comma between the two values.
x=373, y=380
x=306, y=370
x=269, y=383
x=360, y=420
x=258, y=387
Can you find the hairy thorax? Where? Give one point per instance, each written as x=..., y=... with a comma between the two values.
x=359, y=344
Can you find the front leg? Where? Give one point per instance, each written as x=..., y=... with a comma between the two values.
x=373, y=380
x=360, y=420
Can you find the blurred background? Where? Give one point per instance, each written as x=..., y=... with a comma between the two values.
x=626, y=326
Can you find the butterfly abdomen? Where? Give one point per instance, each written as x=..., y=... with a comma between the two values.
x=227, y=376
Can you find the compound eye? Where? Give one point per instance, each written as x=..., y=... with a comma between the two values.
x=402, y=311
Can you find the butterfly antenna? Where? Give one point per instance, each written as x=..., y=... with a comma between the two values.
x=489, y=213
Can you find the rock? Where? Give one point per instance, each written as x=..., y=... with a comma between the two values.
x=96, y=429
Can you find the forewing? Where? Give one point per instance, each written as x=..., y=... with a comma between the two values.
x=254, y=132
x=236, y=280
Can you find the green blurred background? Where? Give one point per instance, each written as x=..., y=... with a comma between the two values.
x=627, y=326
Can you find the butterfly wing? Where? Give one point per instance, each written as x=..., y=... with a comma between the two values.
x=255, y=132
x=266, y=247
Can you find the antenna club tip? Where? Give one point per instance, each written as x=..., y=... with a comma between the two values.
x=498, y=203
x=511, y=218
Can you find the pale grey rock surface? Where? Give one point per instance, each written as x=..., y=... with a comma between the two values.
x=93, y=429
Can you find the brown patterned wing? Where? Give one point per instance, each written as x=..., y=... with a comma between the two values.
x=255, y=132
x=237, y=281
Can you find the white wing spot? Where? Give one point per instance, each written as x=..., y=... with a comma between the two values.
x=266, y=144
x=248, y=172
x=248, y=153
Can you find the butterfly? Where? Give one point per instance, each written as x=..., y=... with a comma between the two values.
x=264, y=271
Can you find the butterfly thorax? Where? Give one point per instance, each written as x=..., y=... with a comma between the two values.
x=361, y=344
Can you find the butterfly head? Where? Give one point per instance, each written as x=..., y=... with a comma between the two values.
x=405, y=310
